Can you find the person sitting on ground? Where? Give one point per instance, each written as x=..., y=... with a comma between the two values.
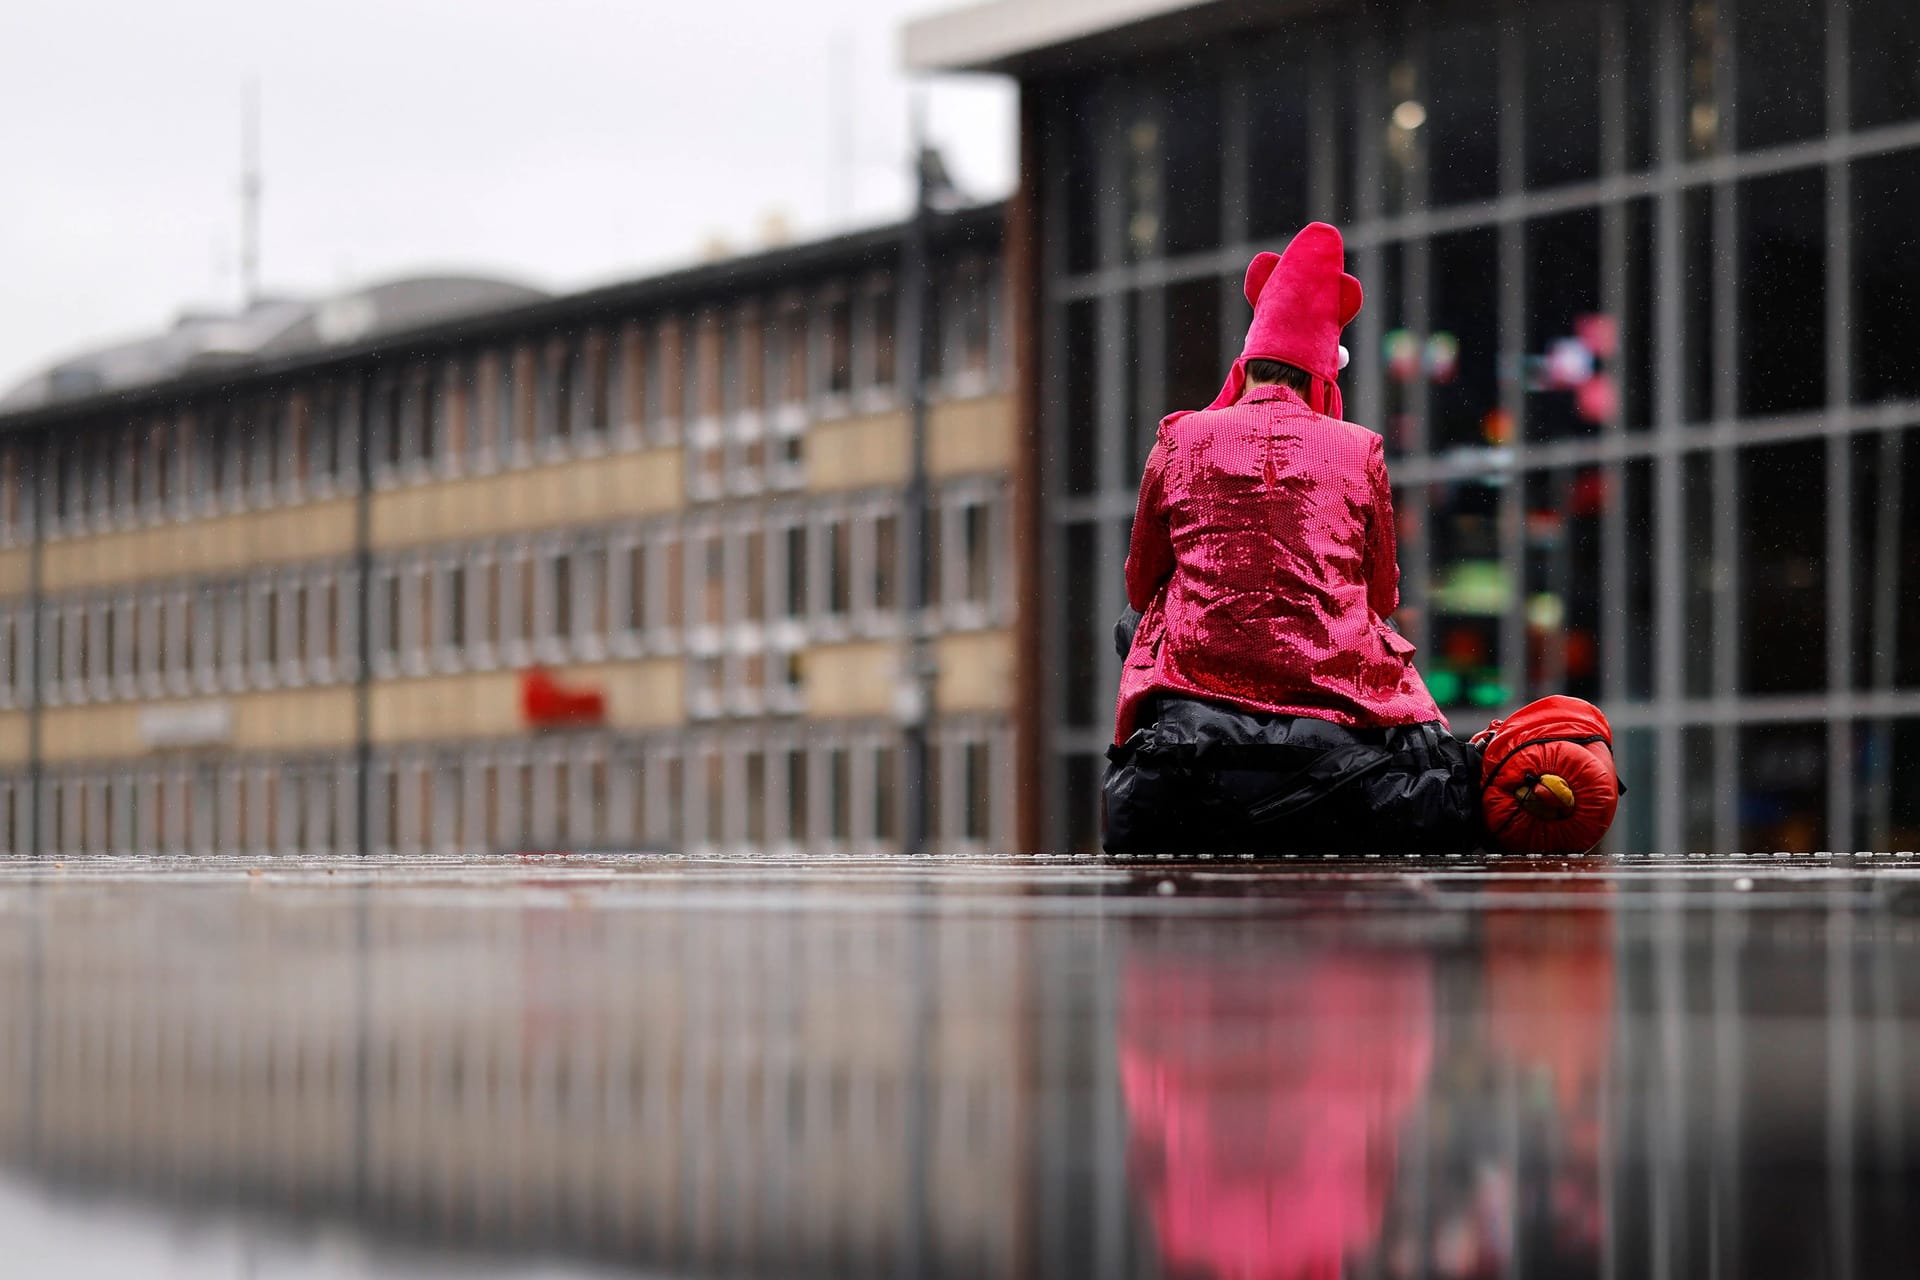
x=1266, y=704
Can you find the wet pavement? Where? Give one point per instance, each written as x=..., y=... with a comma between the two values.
x=584, y=1066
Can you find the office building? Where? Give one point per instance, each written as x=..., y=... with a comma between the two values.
x=1638, y=334
x=612, y=570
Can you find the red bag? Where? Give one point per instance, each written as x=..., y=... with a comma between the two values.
x=1548, y=783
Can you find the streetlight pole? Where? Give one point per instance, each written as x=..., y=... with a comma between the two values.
x=915, y=695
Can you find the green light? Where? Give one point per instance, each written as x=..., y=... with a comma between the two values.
x=1486, y=693
x=1444, y=686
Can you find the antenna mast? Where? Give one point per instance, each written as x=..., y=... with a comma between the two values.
x=840, y=125
x=250, y=196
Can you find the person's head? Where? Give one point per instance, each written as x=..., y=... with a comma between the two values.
x=1272, y=373
x=1301, y=300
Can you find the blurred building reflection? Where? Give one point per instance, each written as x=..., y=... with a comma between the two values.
x=286, y=599
x=822, y=1089
x=975, y=1078
x=1634, y=337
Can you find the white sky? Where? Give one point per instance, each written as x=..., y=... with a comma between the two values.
x=564, y=143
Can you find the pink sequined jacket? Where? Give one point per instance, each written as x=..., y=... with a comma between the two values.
x=1263, y=564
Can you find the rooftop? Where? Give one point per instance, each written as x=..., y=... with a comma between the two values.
x=203, y=340
x=1023, y=36
x=282, y=337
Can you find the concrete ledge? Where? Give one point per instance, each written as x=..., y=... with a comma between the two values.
x=578, y=491
x=199, y=548
x=647, y=694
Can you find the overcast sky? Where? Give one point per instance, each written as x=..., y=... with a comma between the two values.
x=564, y=143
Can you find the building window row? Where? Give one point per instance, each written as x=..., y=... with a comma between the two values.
x=288, y=626
x=739, y=593
x=834, y=789
x=739, y=383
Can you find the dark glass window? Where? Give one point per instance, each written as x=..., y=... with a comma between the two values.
x=1334, y=195
x=1696, y=746
x=1783, y=634
x=1465, y=313
x=1080, y=429
x=1638, y=32
x=1189, y=194
x=1400, y=109
x=1079, y=132
x=1471, y=593
x=1638, y=608
x=1082, y=803
x=1279, y=155
x=1563, y=519
x=1402, y=367
x=978, y=790
x=1462, y=113
x=839, y=570
x=1704, y=579
x=1886, y=277
x=839, y=324
x=1636, y=757
x=1886, y=560
x=1633, y=369
x=886, y=794
x=1142, y=181
x=886, y=314
x=1566, y=393
x=1780, y=60
x=1081, y=641
x=1697, y=359
x=1140, y=406
x=1562, y=94
x=1886, y=753
x=1783, y=788
x=1884, y=64
x=1193, y=365
x=796, y=599
x=1783, y=314
x=1705, y=52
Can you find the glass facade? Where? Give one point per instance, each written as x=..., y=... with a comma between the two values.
x=1640, y=335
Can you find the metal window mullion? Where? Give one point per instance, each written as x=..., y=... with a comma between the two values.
x=1051, y=553
x=1613, y=302
x=1235, y=113
x=1669, y=405
x=1726, y=523
x=1113, y=459
x=1369, y=382
x=1235, y=207
x=1726, y=646
x=1110, y=177
x=1512, y=330
x=1323, y=114
x=1560, y=573
x=1323, y=194
x=1150, y=370
x=1839, y=357
x=1886, y=596
x=1512, y=495
x=1416, y=553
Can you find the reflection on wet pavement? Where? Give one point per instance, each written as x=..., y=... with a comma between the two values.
x=986, y=1068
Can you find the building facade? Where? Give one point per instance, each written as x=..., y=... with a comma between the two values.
x=290, y=605
x=1638, y=334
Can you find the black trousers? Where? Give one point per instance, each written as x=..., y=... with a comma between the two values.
x=1206, y=778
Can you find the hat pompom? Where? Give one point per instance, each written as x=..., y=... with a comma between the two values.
x=1345, y=355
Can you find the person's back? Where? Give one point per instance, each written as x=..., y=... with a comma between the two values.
x=1269, y=528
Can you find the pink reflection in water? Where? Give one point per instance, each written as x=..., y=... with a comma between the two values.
x=1266, y=1098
